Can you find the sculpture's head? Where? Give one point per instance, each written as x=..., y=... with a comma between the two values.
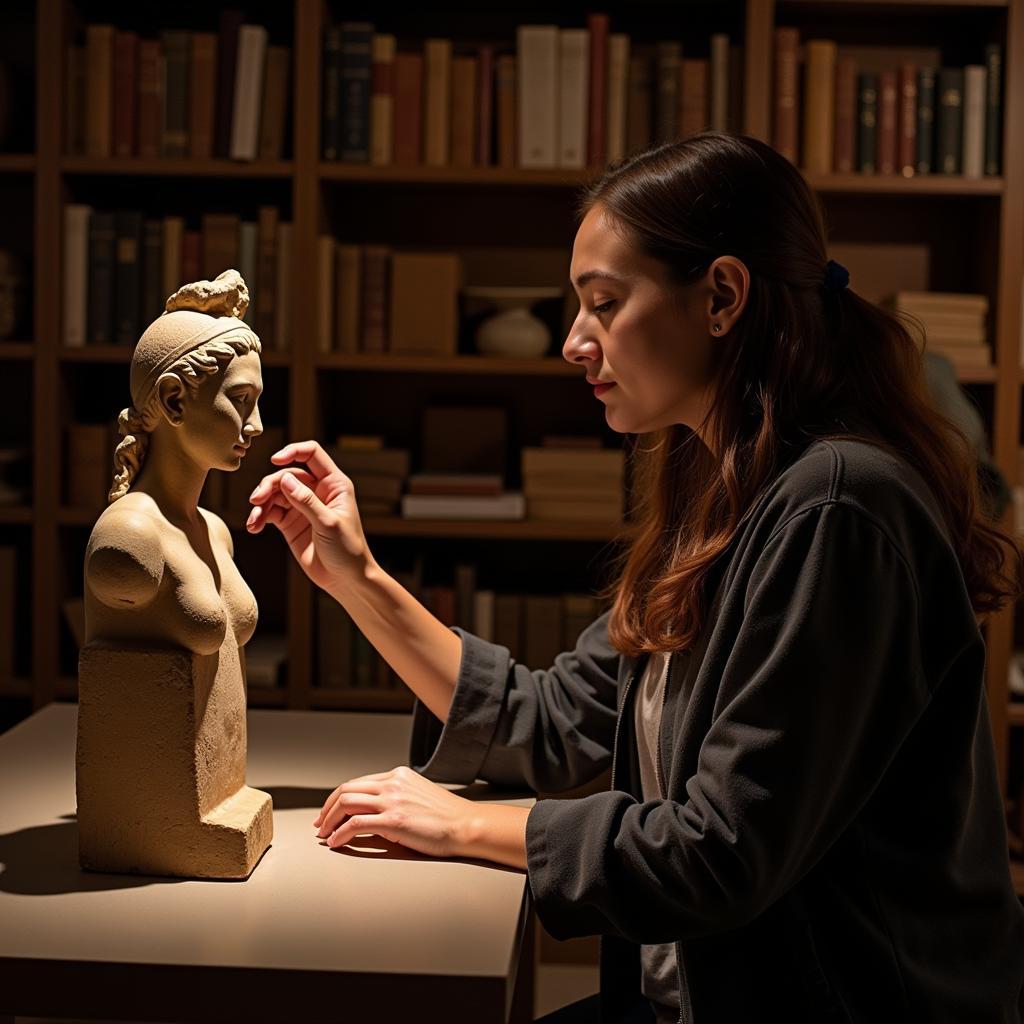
x=195, y=379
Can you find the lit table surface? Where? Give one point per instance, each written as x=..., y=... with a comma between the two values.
x=312, y=933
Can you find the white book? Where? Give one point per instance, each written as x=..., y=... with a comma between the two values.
x=574, y=80
x=483, y=615
x=537, y=95
x=245, y=114
x=325, y=282
x=719, y=80
x=618, y=95
x=511, y=505
x=382, y=105
x=76, y=272
x=174, y=237
x=247, y=240
x=283, y=309
x=975, y=87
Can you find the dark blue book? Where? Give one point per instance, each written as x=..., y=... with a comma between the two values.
x=153, y=297
x=950, y=131
x=330, y=128
x=356, y=66
x=925, y=120
x=100, y=318
x=127, y=276
x=994, y=109
x=867, y=121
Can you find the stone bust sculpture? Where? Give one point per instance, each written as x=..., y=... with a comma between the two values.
x=161, y=731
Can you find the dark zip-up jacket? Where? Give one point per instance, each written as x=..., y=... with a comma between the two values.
x=833, y=846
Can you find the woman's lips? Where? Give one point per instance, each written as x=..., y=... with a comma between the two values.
x=600, y=386
x=241, y=449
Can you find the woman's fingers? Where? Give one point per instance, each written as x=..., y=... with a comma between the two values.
x=304, y=499
x=270, y=485
x=346, y=805
x=364, y=784
x=308, y=452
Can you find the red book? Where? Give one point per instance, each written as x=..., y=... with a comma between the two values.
x=907, y=145
x=485, y=105
x=191, y=250
x=887, y=117
x=845, y=141
x=408, y=123
x=150, y=104
x=596, y=139
x=126, y=71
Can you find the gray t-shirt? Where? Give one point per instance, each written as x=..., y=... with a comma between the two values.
x=659, y=981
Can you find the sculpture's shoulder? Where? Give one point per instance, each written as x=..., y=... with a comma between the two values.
x=124, y=561
x=219, y=529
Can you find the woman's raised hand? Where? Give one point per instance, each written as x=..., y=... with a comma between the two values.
x=314, y=506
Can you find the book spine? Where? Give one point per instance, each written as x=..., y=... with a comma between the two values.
x=785, y=130
x=356, y=63
x=152, y=297
x=150, y=102
x=227, y=59
x=99, y=57
x=951, y=122
x=376, y=267
x=191, y=255
x=693, y=99
x=669, y=56
x=76, y=273
x=975, y=90
x=127, y=276
x=325, y=280
x=282, y=316
x=994, y=109
x=276, y=94
x=266, y=274
x=202, y=94
x=846, y=115
x=736, y=87
x=597, y=135
x=505, y=90
x=382, y=100
x=248, y=255
x=574, y=85
x=126, y=72
x=819, y=106
x=174, y=137
x=348, y=288
x=537, y=87
x=172, y=277
x=925, y=120
x=74, y=102
x=463, y=120
x=867, y=121
x=101, y=278
x=888, y=107
x=719, y=73
x=437, y=86
x=245, y=115
x=907, y=148
x=485, y=106
x=408, y=138
x=640, y=101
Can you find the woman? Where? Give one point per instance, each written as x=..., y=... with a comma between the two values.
x=804, y=821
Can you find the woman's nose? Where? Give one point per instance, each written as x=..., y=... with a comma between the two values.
x=577, y=347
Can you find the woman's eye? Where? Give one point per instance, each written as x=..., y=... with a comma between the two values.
x=604, y=306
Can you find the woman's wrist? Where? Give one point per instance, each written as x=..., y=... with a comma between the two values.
x=494, y=832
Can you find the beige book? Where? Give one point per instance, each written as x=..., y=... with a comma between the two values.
x=719, y=82
x=618, y=95
x=537, y=95
x=424, y=314
x=325, y=298
x=573, y=87
x=437, y=78
x=819, y=106
x=348, y=289
x=382, y=104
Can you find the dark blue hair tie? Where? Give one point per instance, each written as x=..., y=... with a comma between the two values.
x=837, y=277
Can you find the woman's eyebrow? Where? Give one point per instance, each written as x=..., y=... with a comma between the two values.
x=589, y=275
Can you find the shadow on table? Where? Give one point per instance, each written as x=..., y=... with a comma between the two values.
x=290, y=798
x=43, y=861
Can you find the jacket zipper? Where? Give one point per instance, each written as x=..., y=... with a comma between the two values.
x=680, y=973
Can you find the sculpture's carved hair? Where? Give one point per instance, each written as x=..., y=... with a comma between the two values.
x=225, y=296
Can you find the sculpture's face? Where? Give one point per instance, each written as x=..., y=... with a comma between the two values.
x=222, y=415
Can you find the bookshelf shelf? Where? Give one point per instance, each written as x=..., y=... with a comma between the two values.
x=17, y=350
x=452, y=175
x=520, y=529
x=978, y=375
x=17, y=163
x=15, y=515
x=360, y=700
x=96, y=354
x=266, y=697
x=548, y=366
x=172, y=168
x=790, y=5
x=893, y=184
x=16, y=688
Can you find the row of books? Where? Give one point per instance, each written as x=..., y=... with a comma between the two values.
x=120, y=267
x=374, y=298
x=954, y=324
x=884, y=110
x=8, y=605
x=566, y=97
x=186, y=94
x=535, y=628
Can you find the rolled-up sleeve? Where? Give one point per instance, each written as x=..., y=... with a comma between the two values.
x=547, y=729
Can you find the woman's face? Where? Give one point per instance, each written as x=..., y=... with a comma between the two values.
x=222, y=415
x=644, y=341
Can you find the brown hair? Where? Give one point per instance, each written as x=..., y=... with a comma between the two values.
x=802, y=362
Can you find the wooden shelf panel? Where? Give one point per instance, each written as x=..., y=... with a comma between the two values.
x=15, y=514
x=812, y=4
x=17, y=350
x=388, y=362
x=360, y=700
x=520, y=529
x=894, y=184
x=452, y=175
x=1015, y=715
x=17, y=163
x=176, y=167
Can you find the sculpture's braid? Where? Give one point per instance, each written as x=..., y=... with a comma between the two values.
x=129, y=453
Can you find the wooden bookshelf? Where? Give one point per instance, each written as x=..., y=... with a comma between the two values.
x=314, y=186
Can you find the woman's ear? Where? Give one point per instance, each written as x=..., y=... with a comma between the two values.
x=170, y=390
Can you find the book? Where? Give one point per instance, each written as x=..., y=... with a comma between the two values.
x=573, y=94
x=408, y=83
x=374, y=302
x=125, y=86
x=949, y=142
x=100, y=306
x=150, y=105
x=618, y=95
x=248, y=240
x=348, y=267
x=786, y=120
x=382, y=98
x=537, y=96
x=668, y=56
x=993, y=108
x=693, y=96
x=174, y=131
x=464, y=439
x=975, y=94
x=360, y=442
x=605, y=463
x=906, y=162
x=845, y=134
x=506, y=87
x=867, y=121
x=483, y=615
x=463, y=111
x=386, y=462
x=325, y=277
x=356, y=65
x=245, y=113
x=588, y=510
x=173, y=276
x=485, y=105
x=437, y=90
x=265, y=299
x=76, y=273
x=283, y=288
x=274, y=106
x=219, y=250
x=508, y=622
x=89, y=465
x=424, y=295
x=510, y=505
x=455, y=483
x=202, y=94
x=151, y=303
x=819, y=102
x=99, y=84
x=330, y=125
x=925, y=119
x=227, y=65
x=598, y=26
x=640, y=100
x=718, y=78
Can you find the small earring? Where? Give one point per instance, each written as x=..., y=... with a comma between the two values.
x=716, y=327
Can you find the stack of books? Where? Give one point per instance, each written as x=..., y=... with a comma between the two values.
x=577, y=484
x=186, y=94
x=378, y=473
x=461, y=496
x=954, y=324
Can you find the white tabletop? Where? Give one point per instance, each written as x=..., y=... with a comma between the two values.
x=386, y=931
